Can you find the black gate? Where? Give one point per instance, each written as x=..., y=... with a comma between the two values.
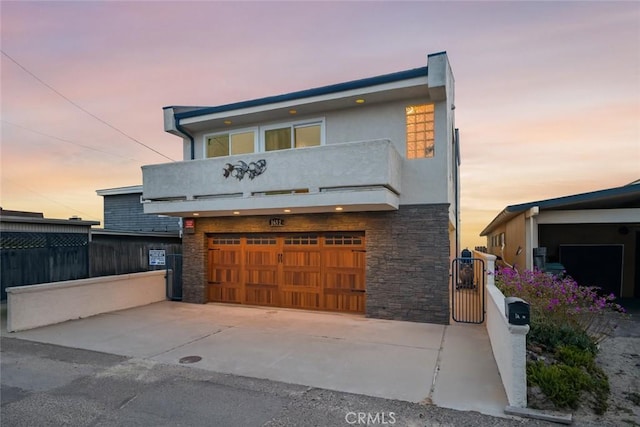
x=467, y=290
x=174, y=276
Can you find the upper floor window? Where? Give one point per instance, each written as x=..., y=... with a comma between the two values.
x=292, y=136
x=273, y=137
x=420, y=127
x=225, y=144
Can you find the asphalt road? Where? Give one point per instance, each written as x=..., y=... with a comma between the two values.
x=48, y=385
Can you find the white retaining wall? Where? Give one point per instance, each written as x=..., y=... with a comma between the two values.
x=33, y=306
x=508, y=342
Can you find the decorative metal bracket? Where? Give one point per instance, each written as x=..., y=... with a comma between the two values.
x=240, y=169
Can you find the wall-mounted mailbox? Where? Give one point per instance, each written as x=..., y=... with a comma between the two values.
x=517, y=311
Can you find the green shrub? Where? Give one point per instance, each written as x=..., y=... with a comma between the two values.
x=562, y=384
x=598, y=384
x=574, y=356
x=554, y=335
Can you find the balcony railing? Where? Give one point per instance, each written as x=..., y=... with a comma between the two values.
x=359, y=175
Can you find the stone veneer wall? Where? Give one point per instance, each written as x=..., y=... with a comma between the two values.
x=407, y=268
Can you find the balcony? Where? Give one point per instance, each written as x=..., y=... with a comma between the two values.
x=356, y=176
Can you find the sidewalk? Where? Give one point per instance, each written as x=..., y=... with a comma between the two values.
x=449, y=366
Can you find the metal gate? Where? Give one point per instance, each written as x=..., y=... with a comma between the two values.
x=174, y=276
x=467, y=290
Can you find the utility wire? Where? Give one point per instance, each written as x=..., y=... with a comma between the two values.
x=68, y=141
x=82, y=109
x=44, y=197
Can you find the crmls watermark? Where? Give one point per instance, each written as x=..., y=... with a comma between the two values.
x=370, y=418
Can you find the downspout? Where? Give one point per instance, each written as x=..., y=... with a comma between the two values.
x=456, y=189
x=188, y=135
x=193, y=156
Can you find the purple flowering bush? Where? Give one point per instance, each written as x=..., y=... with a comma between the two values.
x=567, y=323
x=560, y=300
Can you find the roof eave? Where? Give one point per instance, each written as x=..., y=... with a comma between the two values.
x=308, y=93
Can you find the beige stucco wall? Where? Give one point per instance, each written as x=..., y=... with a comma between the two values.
x=33, y=306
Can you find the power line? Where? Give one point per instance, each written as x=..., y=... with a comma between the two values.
x=82, y=109
x=45, y=197
x=68, y=141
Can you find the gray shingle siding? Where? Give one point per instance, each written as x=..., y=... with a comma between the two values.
x=124, y=212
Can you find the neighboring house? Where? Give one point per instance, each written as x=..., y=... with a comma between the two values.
x=133, y=241
x=343, y=197
x=594, y=236
x=122, y=208
x=35, y=249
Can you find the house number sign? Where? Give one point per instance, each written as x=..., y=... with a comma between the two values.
x=276, y=222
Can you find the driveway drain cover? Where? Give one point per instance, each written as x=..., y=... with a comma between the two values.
x=190, y=359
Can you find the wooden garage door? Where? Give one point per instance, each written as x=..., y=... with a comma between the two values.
x=310, y=271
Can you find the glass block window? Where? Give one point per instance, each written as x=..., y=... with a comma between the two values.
x=420, y=131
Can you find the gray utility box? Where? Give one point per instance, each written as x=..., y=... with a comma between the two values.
x=517, y=311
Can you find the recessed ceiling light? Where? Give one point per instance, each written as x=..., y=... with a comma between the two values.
x=236, y=212
x=196, y=214
x=338, y=208
x=292, y=111
x=227, y=122
x=287, y=210
x=360, y=101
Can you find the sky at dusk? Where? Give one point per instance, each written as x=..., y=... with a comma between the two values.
x=547, y=93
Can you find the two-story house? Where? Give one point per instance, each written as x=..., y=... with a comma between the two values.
x=342, y=197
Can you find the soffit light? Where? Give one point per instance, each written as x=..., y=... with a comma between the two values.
x=287, y=210
x=338, y=208
x=236, y=212
x=227, y=122
x=292, y=111
x=360, y=101
x=196, y=214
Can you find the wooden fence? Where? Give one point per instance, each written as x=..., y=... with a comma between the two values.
x=32, y=258
x=119, y=255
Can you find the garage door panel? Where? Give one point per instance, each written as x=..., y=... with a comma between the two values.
x=262, y=294
x=310, y=279
x=307, y=271
x=310, y=258
x=225, y=280
x=261, y=271
x=344, y=303
x=345, y=258
x=304, y=300
x=344, y=280
x=301, y=281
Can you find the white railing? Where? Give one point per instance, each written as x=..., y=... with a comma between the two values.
x=508, y=341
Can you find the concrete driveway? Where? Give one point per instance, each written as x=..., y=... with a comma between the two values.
x=450, y=366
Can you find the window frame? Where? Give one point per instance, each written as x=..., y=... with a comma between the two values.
x=253, y=129
x=292, y=125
